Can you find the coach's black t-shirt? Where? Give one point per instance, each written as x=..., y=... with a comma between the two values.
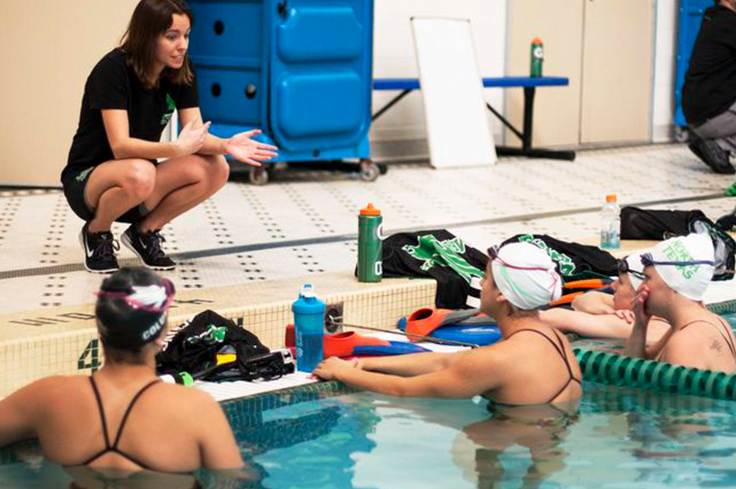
x=710, y=82
x=114, y=85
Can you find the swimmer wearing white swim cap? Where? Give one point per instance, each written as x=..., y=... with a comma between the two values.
x=677, y=273
x=532, y=364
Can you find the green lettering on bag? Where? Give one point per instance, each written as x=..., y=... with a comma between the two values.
x=567, y=266
x=447, y=253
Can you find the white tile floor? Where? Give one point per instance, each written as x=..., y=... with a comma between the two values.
x=247, y=230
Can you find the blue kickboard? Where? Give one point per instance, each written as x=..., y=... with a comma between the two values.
x=476, y=335
x=395, y=348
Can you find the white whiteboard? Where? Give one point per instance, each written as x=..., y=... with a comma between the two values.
x=452, y=91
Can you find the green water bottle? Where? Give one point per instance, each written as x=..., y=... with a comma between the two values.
x=370, y=245
x=537, y=57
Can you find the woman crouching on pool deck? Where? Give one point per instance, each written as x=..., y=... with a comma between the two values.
x=678, y=272
x=534, y=363
x=122, y=416
x=113, y=171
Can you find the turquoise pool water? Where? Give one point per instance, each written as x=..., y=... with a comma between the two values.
x=325, y=438
x=617, y=438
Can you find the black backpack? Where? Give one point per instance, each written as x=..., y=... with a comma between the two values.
x=437, y=254
x=194, y=346
x=574, y=261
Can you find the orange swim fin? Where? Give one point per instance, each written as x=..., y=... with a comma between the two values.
x=424, y=321
x=350, y=343
x=566, y=299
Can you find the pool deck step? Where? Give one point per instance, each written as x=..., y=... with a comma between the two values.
x=64, y=341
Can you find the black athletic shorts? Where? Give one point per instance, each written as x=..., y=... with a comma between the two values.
x=74, y=186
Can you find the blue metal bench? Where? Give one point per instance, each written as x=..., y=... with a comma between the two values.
x=529, y=84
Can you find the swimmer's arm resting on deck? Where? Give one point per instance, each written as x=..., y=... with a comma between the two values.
x=608, y=325
x=594, y=303
x=410, y=365
x=470, y=375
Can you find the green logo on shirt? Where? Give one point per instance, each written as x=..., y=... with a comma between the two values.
x=171, y=107
x=84, y=173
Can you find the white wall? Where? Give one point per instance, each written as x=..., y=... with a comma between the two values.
x=48, y=49
x=393, y=57
x=665, y=54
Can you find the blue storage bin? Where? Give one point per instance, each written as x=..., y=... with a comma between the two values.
x=300, y=70
x=691, y=16
x=230, y=95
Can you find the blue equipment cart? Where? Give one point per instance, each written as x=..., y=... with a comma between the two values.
x=300, y=70
x=691, y=16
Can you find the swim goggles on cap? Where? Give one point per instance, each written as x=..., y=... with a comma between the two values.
x=125, y=296
x=493, y=256
x=647, y=260
x=623, y=267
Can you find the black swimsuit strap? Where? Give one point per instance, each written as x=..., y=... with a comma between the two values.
x=114, y=447
x=560, y=348
x=725, y=337
x=130, y=408
x=98, y=398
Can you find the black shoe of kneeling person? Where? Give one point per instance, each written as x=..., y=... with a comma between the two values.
x=727, y=222
x=713, y=155
x=147, y=246
x=99, y=251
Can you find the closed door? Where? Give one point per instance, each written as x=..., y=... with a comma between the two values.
x=617, y=71
x=605, y=48
x=559, y=23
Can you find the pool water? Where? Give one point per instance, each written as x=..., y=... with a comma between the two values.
x=617, y=438
x=614, y=438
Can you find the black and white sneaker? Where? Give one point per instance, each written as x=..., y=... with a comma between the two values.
x=99, y=251
x=147, y=246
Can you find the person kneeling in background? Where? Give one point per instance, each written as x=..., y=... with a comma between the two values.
x=709, y=92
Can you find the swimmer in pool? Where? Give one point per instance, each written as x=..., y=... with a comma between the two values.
x=601, y=315
x=533, y=364
x=123, y=416
x=678, y=272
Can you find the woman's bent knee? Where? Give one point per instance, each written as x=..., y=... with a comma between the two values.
x=139, y=178
x=218, y=171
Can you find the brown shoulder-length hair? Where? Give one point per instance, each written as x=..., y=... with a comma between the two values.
x=151, y=19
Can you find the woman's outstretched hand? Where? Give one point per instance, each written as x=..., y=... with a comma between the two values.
x=246, y=150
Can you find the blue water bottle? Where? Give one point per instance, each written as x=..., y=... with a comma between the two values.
x=309, y=326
